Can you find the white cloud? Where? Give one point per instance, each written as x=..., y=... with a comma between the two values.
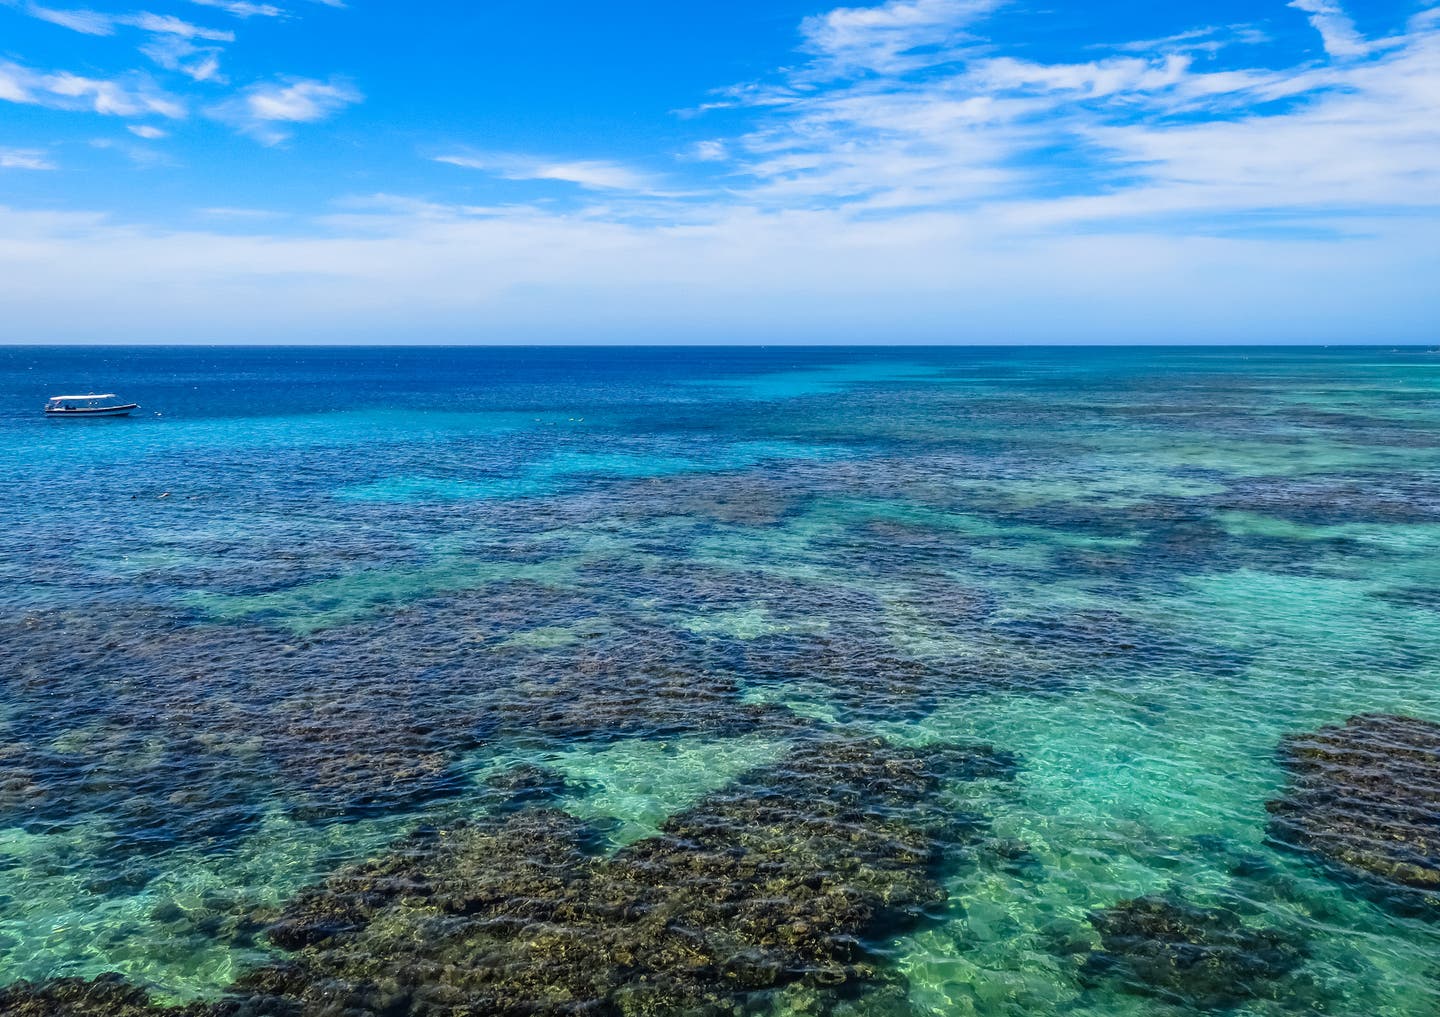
x=24, y=158
x=174, y=53
x=1089, y=80
x=1337, y=31
x=1211, y=39
x=172, y=43
x=133, y=96
x=180, y=46
x=1119, y=138
x=15, y=83
x=243, y=8
x=168, y=24
x=892, y=37
x=590, y=174
x=299, y=101
x=907, y=180
x=587, y=173
x=140, y=155
x=710, y=151
x=260, y=109
x=98, y=23
x=422, y=271
x=85, y=22
x=111, y=98
x=147, y=132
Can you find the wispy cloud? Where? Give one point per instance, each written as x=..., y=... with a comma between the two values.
x=90, y=22
x=142, y=156
x=182, y=47
x=411, y=269
x=132, y=96
x=175, y=44
x=85, y=22
x=243, y=8
x=261, y=110
x=1337, y=30
x=1210, y=39
x=168, y=24
x=890, y=38
x=176, y=53
x=906, y=161
x=939, y=122
x=713, y=150
x=590, y=174
x=24, y=158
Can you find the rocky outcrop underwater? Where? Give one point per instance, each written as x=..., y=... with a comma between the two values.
x=106, y=996
x=1364, y=797
x=1193, y=956
x=785, y=878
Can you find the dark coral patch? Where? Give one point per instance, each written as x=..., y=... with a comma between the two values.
x=106, y=996
x=779, y=879
x=528, y=784
x=193, y=731
x=1187, y=955
x=1365, y=797
x=601, y=694
x=404, y=758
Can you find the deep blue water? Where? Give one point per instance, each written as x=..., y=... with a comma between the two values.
x=308, y=600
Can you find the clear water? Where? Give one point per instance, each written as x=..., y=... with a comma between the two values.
x=308, y=599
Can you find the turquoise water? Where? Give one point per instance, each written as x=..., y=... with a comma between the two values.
x=311, y=600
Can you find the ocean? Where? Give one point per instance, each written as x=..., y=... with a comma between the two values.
x=862, y=681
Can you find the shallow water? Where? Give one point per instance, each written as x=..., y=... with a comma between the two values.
x=309, y=600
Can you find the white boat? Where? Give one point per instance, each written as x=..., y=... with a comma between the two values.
x=91, y=405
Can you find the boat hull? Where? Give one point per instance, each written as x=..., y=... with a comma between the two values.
x=99, y=411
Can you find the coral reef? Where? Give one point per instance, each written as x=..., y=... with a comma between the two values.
x=779, y=879
x=860, y=674
x=106, y=996
x=1188, y=955
x=405, y=756
x=196, y=729
x=1399, y=499
x=528, y=784
x=1365, y=797
x=744, y=499
x=600, y=693
x=152, y=788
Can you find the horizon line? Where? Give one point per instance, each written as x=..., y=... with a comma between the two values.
x=391, y=345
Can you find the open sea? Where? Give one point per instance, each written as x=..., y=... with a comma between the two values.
x=892, y=682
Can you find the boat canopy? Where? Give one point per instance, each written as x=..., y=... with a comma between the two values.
x=107, y=395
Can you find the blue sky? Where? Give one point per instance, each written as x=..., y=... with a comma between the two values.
x=909, y=171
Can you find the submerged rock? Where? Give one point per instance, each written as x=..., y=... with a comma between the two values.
x=528, y=784
x=193, y=731
x=1189, y=955
x=143, y=794
x=639, y=681
x=622, y=700
x=779, y=879
x=106, y=996
x=1365, y=797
